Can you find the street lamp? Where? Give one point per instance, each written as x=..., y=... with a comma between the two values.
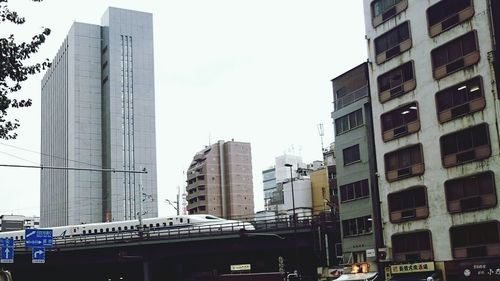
x=293, y=195
x=294, y=223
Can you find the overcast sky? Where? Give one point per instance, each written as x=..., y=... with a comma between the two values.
x=256, y=71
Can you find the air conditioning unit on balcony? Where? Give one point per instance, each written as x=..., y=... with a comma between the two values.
x=384, y=254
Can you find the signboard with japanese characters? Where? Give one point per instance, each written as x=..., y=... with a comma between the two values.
x=412, y=267
x=476, y=270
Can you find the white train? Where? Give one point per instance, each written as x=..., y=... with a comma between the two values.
x=182, y=223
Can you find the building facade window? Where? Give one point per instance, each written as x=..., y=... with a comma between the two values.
x=448, y=13
x=349, y=122
x=409, y=204
x=471, y=193
x=476, y=240
x=404, y=163
x=472, y=144
x=354, y=190
x=396, y=82
x=461, y=99
x=455, y=55
x=393, y=43
x=351, y=154
x=415, y=246
x=383, y=10
x=400, y=122
x=357, y=226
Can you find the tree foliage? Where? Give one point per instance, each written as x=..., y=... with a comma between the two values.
x=15, y=68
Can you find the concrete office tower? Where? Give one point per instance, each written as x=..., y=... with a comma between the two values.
x=219, y=181
x=355, y=164
x=98, y=112
x=434, y=73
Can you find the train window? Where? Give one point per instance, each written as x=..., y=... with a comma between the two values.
x=85, y=232
x=125, y=228
x=151, y=225
x=101, y=230
x=181, y=220
x=170, y=223
x=112, y=229
x=22, y=237
x=74, y=229
x=164, y=224
x=157, y=225
x=131, y=227
x=188, y=220
x=107, y=229
x=95, y=230
x=16, y=237
x=144, y=226
x=119, y=228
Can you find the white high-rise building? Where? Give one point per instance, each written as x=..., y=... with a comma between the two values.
x=98, y=111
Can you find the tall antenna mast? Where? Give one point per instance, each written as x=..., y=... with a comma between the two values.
x=321, y=134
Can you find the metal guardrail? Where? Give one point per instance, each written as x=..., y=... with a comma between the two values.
x=266, y=225
x=350, y=98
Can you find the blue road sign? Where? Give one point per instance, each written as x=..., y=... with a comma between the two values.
x=7, y=255
x=6, y=242
x=38, y=237
x=38, y=255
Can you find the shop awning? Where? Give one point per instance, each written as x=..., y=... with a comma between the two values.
x=418, y=276
x=357, y=276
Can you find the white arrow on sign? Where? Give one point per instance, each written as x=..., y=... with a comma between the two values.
x=39, y=252
x=30, y=234
x=7, y=252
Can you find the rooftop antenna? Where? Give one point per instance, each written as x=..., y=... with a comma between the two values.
x=321, y=134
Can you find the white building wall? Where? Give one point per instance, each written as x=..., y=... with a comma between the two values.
x=435, y=175
x=283, y=172
x=301, y=193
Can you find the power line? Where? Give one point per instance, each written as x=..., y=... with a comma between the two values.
x=49, y=155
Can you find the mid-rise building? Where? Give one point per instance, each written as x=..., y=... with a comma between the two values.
x=272, y=194
x=98, y=111
x=274, y=178
x=356, y=167
x=434, y=78
x=219, y=181
x=18, y=222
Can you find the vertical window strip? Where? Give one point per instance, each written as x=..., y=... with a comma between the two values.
x=123, y=79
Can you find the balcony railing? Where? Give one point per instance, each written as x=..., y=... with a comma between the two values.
x=351, y=98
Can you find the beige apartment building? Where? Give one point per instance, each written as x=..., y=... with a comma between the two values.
x=433, y=68
x=219, y=181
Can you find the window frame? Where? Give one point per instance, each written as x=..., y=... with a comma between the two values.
x=354, y=160
x=356, y=115
x=472, y=231
x=394, y=91
x=481, y=151
x=362, y=226
x=446, y=113
x=413, y=241
x=386, y=53
x=410, y=127
x=345, y=188
x=388, y=13
x=463, y=61
x=421, y=211
x=414, y=168
x=459, y=185
x=448, y=22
